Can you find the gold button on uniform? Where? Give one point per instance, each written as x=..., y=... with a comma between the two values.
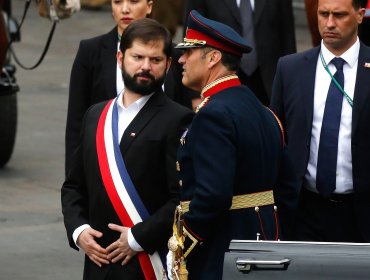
x=180, y=183
x=177, y=166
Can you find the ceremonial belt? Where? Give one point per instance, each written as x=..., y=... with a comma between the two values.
x=243, y=201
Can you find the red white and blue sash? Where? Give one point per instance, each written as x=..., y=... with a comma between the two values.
x=121, y=191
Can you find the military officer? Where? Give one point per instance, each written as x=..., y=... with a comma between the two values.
x=229, y=158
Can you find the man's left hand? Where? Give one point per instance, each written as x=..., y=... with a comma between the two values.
x=120, y=249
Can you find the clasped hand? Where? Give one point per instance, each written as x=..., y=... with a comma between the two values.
x=115, y=252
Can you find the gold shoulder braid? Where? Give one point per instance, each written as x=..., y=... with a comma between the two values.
x=280, y=125
x=176, y=245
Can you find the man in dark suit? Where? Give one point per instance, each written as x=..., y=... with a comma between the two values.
x=101, y=51
x=119, y=197
x=230, y=157
x=94, y=77
x=272, y=27
x=327, y=126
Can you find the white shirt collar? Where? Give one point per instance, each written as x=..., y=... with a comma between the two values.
x=138, y=104
x=252, y=4
x=350, y=56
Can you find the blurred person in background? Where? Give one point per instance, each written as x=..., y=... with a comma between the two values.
x=169, y=13
x=93, y=4
x=267, y=25
x=311, y=13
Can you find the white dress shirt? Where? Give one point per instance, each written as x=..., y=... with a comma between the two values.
x=125, y=117
x=344, y=180
x=252, y=3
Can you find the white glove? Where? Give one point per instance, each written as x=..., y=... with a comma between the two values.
x=169, y=264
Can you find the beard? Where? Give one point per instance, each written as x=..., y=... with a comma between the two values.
x=143, y=87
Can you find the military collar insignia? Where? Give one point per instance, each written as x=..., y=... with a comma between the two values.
x=202, y=104
x=220, y=84
x=216, y=86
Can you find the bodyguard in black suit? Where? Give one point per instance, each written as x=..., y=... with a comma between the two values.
x=148, y=147
x=274, y=35
x=300, y=91
x=229, y=158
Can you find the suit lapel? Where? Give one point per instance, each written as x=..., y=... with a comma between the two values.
x=308, y=85
x=259, y=5
x=109, y=51
x=231, y=5
x=150, y=109
x=362, y=87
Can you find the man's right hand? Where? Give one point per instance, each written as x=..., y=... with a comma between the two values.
x=96, y=253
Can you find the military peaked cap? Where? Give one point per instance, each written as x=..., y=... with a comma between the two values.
x=202, y=32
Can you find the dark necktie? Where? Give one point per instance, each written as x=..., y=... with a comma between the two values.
x=249, y=61
x=328, y=147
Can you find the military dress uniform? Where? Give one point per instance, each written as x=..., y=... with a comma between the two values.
x=228, y=163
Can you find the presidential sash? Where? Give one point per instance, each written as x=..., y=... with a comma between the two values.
x=121, y=190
